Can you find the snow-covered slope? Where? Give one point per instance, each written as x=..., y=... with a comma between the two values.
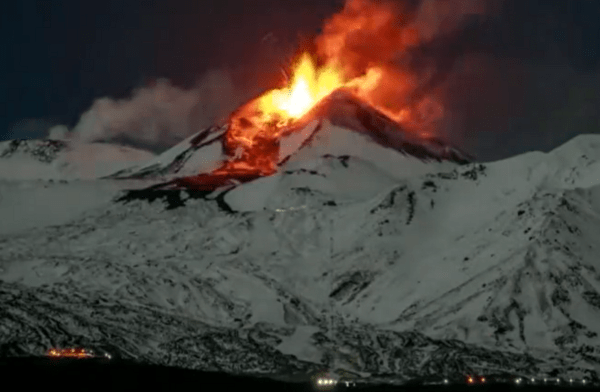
x=342, y=110
x=49, y=182
x=45, y=159
x=433, y=273
x=199, y=153
x=27, y=205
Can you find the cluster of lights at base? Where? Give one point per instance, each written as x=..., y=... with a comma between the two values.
x=548, y=380
x=472, y=380
x=75, y=353
x=326, y=382
x=478, y=380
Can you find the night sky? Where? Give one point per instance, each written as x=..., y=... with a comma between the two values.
x=525, y=78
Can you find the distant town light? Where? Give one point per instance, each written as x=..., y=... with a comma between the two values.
x=328, y=381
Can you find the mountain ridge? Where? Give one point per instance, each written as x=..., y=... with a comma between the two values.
x=31, y=159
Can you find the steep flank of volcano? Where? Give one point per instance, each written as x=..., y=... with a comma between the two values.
x=199, y=153
x=343, y=110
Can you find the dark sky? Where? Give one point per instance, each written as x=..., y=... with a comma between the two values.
x=528, y=78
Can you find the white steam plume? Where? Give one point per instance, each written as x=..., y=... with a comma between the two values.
x=159, y=115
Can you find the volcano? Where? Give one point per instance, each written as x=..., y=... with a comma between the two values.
x=319, y=227
x=370, y=250
x=341, y=124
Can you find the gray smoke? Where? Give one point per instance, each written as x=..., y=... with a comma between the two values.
x=159, y=115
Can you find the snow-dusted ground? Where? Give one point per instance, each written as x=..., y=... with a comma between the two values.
x=430, y=268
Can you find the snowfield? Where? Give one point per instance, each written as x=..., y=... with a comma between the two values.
x=423, y=267
x=49, y=182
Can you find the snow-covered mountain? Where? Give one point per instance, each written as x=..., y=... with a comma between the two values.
x=339, y=125
x=47, y=159
x=400, y=262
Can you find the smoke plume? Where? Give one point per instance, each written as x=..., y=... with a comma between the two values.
x=414, y=43
x=160, y=114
